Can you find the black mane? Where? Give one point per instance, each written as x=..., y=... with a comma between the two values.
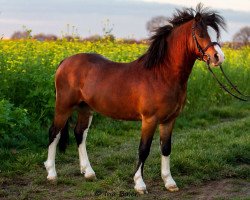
x=158, y=45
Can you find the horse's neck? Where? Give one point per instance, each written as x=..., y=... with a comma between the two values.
x=180, y=56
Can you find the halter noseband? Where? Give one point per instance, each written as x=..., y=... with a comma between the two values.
x=202, y=51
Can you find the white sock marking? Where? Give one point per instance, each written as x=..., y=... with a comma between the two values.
x=50, y=163
x=165, y=172
x=140, y=186
x=85, y=166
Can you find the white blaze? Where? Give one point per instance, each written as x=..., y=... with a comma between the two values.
x=220, y=54
x=213, y=37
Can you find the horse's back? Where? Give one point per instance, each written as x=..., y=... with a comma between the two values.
x=83, y=60
x=76, y=67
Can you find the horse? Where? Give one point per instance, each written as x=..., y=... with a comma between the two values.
x=151, y=89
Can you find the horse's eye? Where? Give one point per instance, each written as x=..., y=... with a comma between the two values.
x=201, y=35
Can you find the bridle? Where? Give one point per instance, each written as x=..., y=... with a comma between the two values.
x=203, y=55
x=200, y=49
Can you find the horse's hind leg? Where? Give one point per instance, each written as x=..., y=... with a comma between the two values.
x=81, y=131
x=56, y=130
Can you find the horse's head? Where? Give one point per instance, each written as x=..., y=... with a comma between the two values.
x=205, y=49
x=186, y=35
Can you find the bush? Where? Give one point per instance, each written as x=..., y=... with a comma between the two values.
x=14, y=122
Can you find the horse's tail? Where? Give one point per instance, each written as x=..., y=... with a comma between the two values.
x=64, y=139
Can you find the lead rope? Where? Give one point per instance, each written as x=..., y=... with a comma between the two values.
x=223, y=86
x=232, y=85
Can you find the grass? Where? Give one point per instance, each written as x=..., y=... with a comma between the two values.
x=215, y=145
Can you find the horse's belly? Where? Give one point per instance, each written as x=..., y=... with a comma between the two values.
x=118, y=114
x=123, y=110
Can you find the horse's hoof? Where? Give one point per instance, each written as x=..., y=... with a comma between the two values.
x=90, y=177
x=172, y=188
x=52, y=178
x=142, y=191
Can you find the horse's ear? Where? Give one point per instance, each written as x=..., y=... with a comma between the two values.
x=197, y=17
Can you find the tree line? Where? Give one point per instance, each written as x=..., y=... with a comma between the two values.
x=240, y=38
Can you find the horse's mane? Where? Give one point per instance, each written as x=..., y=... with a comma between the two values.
x=158, y=44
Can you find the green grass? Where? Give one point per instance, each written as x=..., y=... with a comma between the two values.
x=217, y=148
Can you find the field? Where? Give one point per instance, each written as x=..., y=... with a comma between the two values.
x=211, y=140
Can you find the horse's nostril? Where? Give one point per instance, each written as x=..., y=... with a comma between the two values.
x=216, y=56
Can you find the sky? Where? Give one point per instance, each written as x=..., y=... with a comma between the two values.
x=127, y=18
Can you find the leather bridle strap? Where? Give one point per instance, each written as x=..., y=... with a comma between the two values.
x=209, y=45
x=197, y=43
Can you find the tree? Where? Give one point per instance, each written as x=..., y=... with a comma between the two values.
x=43, y=37
x=20, y=35
x=156, y=22
x=242, y=36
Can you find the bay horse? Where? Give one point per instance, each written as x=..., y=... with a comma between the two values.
x=151, y=89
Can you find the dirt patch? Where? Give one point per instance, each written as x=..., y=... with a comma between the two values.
x=221, y=189
x=24, y=188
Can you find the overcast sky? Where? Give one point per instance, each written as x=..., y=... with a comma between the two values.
x=128, y=17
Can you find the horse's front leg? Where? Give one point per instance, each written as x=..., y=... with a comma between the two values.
x=165, y=141
x=148, y=129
